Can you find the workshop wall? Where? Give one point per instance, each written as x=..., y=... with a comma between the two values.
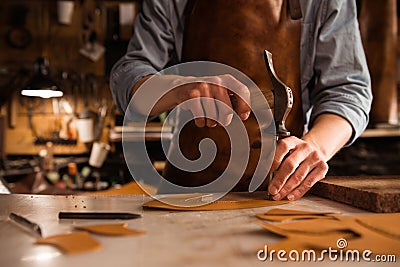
x=30, y=29
x=378, y=25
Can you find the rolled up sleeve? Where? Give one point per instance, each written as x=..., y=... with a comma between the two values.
x=151, y=48
x=342, y=83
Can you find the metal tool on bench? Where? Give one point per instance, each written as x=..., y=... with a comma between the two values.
x=283, y=103
x=27, y=224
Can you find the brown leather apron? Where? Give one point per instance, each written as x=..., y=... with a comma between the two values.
x=236, y=33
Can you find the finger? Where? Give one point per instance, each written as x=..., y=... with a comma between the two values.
x=295, y=179
x=224, y=106
x=193, y=104
x=312, y=161
x=210, y=110
x=223, y=102
x=282, y=150
x=241, y=94
x=289, y=153
x=282, y=175
x=198, y=113
x=290, y=164
x=241, y=107
x=314, y=176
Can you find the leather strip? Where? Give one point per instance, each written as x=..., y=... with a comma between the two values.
x=110, y=229
x=71, y=243
x=320, y=234
x=218, y=205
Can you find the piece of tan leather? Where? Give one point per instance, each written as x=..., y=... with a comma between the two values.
x=317, y=243
x=218, y=205
x=309, y=227
x=109, y=229
x=320, y=234
x=373, y=239
x=287, y=212
x=283, y=215
x=236, y=33
x=378, y=25
x=286, y=218
x=131, y=188
x=71, y=243
x=384, y=224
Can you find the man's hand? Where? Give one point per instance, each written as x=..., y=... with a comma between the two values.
x=204, y=99
x=209, y=99
x=302, y=166
x=300, y=163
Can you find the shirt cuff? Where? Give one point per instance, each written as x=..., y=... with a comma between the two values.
x=351, y=112
x=124, y=78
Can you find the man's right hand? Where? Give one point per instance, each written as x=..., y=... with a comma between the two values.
x=205, y=96
x=202, y=96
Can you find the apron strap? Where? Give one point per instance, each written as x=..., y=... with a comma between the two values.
x=295, y=9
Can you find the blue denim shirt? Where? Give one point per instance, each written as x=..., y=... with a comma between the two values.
x=334, y=72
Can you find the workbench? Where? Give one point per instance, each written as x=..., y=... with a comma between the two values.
x=206, y=238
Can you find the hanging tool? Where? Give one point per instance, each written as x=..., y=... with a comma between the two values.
x=100, y=120
x=283, y=103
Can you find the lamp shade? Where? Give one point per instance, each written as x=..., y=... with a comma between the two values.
x=41, y=84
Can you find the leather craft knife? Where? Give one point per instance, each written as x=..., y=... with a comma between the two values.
x=283, y=103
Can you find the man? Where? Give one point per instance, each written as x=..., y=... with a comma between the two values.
x=320, y=56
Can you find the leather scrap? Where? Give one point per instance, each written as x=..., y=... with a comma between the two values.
x=383, y=224
x=360, y=232
x=294, y=242
x=279, y=211
x=308, y=229
x=373, y=240
x=131, y=188
x=71, y=243
x=282, y=215
x=285, y=218
x=218, y=205
x=110, y=229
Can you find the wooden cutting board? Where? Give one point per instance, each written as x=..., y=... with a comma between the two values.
x=373, y=193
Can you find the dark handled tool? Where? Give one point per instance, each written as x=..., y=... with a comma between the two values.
x=35, y=228
x=283, y=103
x=98, y=215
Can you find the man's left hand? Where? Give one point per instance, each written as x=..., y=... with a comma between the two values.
x=297, y=166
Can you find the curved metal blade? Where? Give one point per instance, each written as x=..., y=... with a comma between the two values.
x=283, y=97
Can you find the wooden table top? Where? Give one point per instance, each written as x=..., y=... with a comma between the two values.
x=205, y=238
